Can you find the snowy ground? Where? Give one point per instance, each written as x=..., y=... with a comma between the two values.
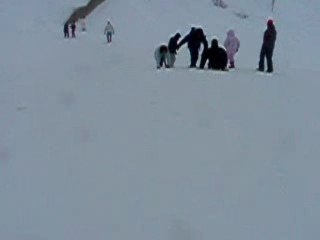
x=97, y=144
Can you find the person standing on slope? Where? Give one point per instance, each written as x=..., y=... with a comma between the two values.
x=109, y=31
x=173, y=47
x=269, y=39
x=194, y=39
x=66, y=30
x=73, y=29
x=161, y=56
x=232, y=45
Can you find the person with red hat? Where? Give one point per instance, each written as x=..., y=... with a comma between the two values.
x=269, y=39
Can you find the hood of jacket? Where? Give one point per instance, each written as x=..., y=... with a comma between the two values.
x=177, y=36
x=214, y=44
x=231, y=33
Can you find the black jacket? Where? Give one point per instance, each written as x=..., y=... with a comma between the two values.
x=73, y=27
x=194, y=39
x=66, y=27
x=173, y=43
x=269, y=37
x=217, y=56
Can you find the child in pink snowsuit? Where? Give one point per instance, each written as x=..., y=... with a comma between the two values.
x=232, y=45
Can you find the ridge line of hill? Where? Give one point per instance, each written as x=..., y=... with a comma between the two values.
x=84, y=11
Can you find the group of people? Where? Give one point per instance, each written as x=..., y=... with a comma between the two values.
x=67, y=27
x=108, y=31
x=216, y=57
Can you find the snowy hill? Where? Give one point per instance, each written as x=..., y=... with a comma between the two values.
x=97, y=144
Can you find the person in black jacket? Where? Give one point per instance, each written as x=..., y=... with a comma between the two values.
x=73, y=29
x=173, y=47
x=194, y=39
x=66, y=30
x=217, y=56
x=269, y=39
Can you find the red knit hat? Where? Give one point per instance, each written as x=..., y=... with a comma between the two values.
x=270, y=22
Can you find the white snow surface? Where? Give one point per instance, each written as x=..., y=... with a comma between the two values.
x=96, y=144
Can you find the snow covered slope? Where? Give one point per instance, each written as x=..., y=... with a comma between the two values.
x=97, y=144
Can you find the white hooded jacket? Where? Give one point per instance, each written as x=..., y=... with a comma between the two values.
x=232, y=43
x=109, y=28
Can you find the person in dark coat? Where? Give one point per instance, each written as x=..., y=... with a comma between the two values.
x=173, y=47
x=66, y=30
x=194, y=39
x=217, y=56
x=269, y=39
x=73, y=29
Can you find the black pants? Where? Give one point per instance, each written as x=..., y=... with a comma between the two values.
x=194, y=55
x=109, y=37
x=66, y=34
x=162, y=61
x=266, y=53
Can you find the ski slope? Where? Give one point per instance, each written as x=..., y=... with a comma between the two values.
x=97, y=144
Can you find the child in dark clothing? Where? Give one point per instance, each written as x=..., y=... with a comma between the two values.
x=173, y=47
x=66, y=30
x=73, y=29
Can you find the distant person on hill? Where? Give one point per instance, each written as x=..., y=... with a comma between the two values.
x=194, y=39
x=220, y=3
x=269, y=39
x=66, y=30
x=216, y=55
x=161, y=56
x=109, y=31
x=83, y=24
x=173, y=47
x=232, y=45
x=73, y=29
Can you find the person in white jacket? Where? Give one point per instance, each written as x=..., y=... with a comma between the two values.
x=232, y=45
x=161, y=56
x=83, y=24
x=109, y=31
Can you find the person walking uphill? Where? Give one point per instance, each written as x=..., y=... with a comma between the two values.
x=173, y=47
x=161, y=56
x=232, y=45
x=194, y=39
x=269, y=39
x=109, y=31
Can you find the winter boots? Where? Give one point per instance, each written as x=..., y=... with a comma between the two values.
x=231, y=65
